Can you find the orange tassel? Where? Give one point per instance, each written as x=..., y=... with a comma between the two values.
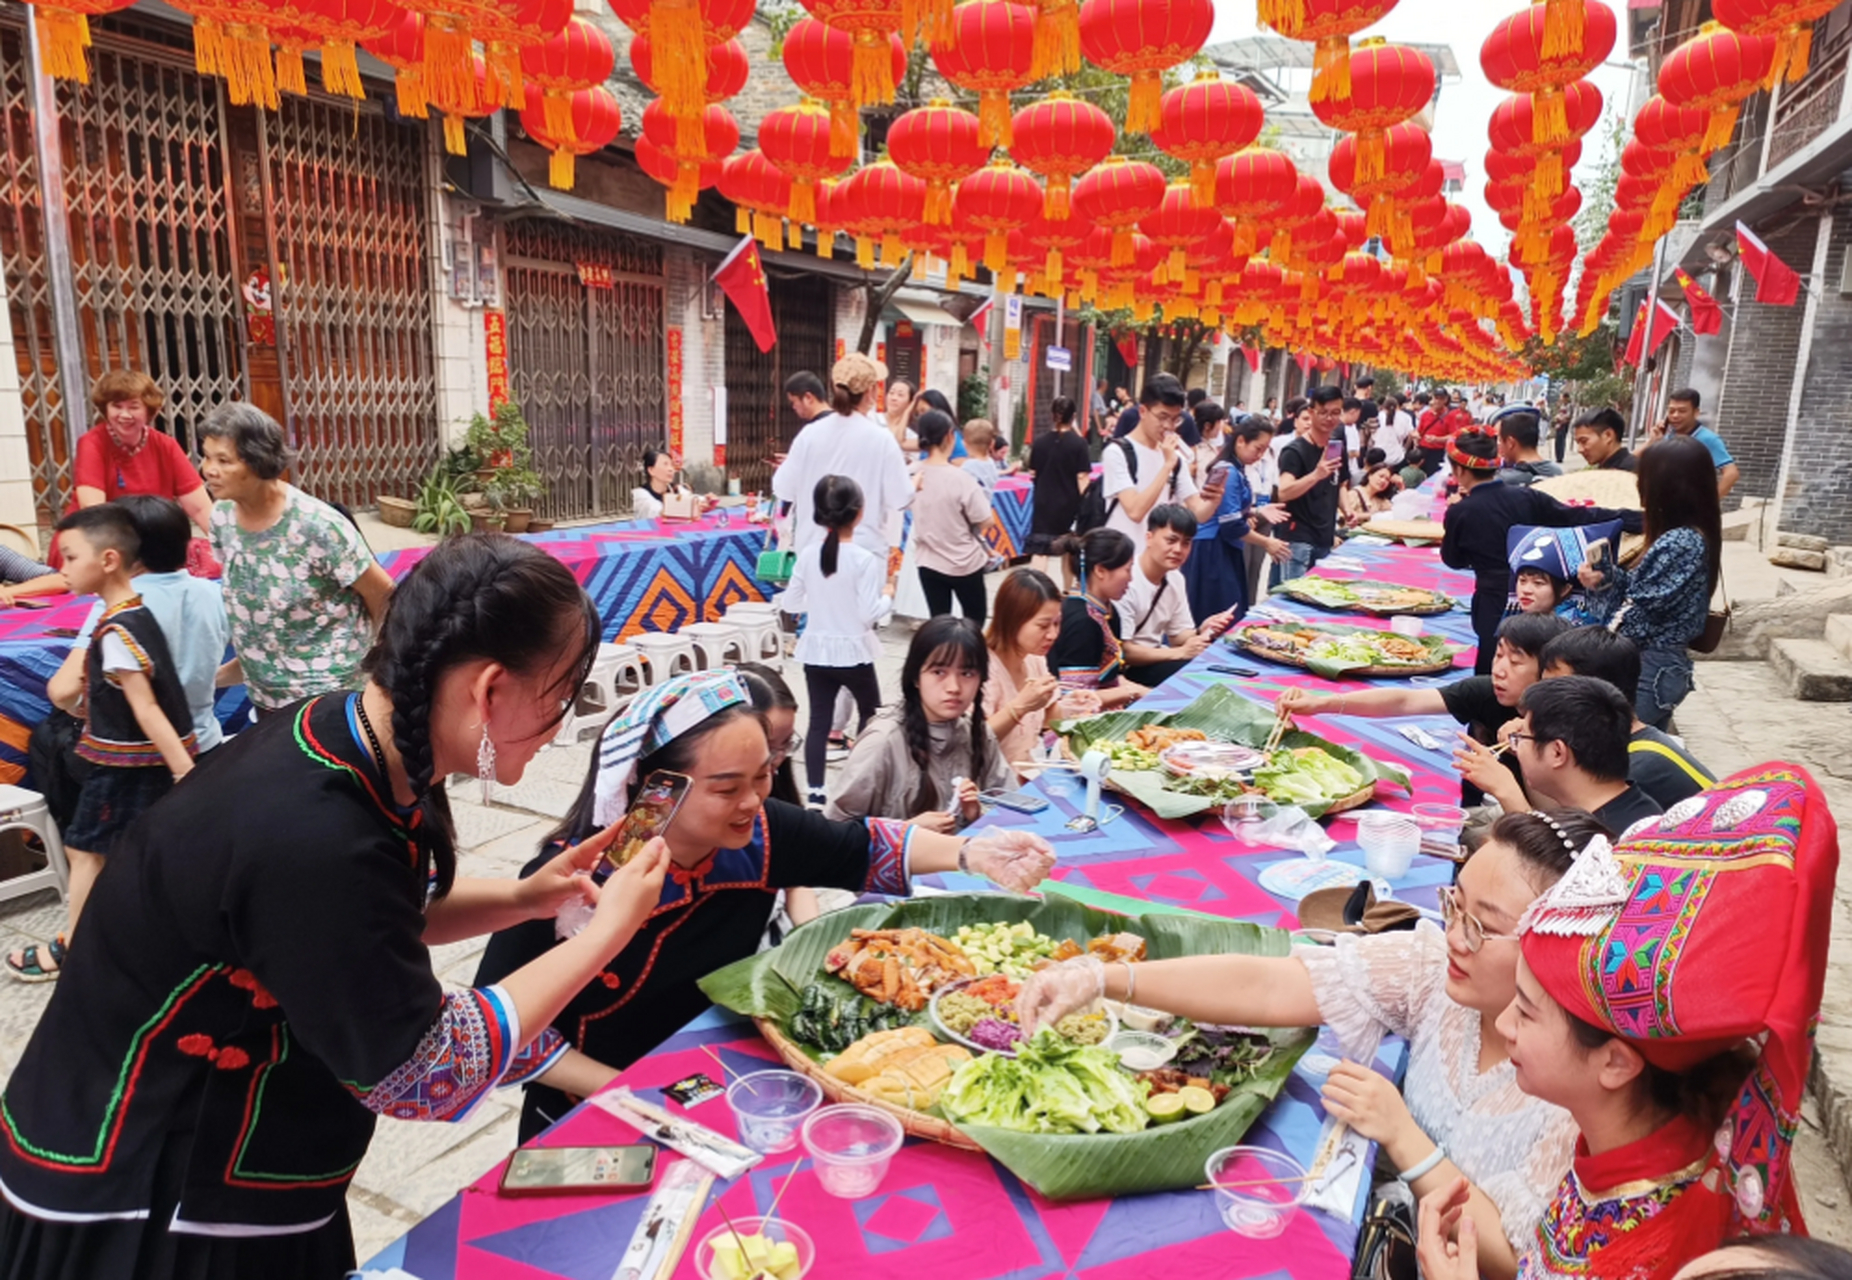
x=993, y=118
x=1801, y=52
x=63, y=37
x=556, y=110
x=1124, y=248
x=1564, y=24
x=1057, y=40
x=455, y=141
x=684, y=191
x=742, y=220
x=871, y=75
x=1285, y=16
x=449, y=63
x=864, y=253
x=845, y=129
x=560, y=170
x=937, y=25
x=803, y=206
x=1372, y=159
x=1331, y=70
x=506, y=86
x=1688, y=171
x=250, y=76
x=1145, y=109
x=408, y=89
x=1177, y=264
x=1202, y=184
x=1722, y=129
x=1057, y=204
x=678, y=56
x=961, y=261
x=341, y=71
x=290, y=76
x=1051, y=270
x=1549, y=117
x=208, y=46
x=996, y=252
x=826, y=243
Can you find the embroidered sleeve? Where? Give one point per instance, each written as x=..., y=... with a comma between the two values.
x=466, y=1052
x=889, y=849
x=541, y=1053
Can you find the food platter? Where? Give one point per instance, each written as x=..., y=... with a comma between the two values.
x=1334, y=650
x=1344, y=595
x=919, y=1124
x=1416, y=531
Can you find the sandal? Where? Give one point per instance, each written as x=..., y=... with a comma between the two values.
x=27, y=966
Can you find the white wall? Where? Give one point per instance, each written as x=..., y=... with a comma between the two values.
x=16, y=504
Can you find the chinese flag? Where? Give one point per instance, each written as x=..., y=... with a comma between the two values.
x=1128, y=348
x=743, y=279
x=1252, y=356
x=1706, y=315
x=1776, y=282
x=1646, y=338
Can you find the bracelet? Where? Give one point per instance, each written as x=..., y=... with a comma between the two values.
x=1131, y=981
x=1425, y=1167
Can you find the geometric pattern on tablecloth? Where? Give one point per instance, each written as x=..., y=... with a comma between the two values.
x=901, y=1219
x=1012, y=511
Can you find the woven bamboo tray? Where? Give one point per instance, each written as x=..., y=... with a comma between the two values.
x=1360, y=673
x=916, y=1123
x=1406, y=530
x=1356, y=801
x=1441, y=603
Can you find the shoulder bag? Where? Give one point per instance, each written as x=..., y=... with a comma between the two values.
x=1716, y=622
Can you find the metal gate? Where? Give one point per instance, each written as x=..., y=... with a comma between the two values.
x=586, y=364
x=759, y=420
x=353, y=297
x=153, y=270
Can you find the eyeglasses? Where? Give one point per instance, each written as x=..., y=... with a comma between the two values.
x=782, y=752
x=1519, y=735
x=1453, y=911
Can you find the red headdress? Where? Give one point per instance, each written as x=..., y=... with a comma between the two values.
x=1472, y=461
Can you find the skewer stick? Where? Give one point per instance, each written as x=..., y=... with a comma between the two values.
x=709, y=1050
x=1258, y=1182
x=789, y=1179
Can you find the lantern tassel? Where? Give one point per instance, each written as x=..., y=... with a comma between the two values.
x=683, y=192
x=826, y=243
x=449, y=64
x=1057, y=202
x=408, y=91
x=1688, y=171
x=291, y=78
x=1372, y=156
x=678, y=57
x=1057, y=40
x=871, y=74
x=1124, y=248
x=1202, y=184
x=1144, y=110
x=1285, y=16
x=1722, y=129
x=803, y=206
x=690, y=135
x=454, y=140
x=208, y=46
x=250, y=75
x=1051, y=270
x=1379, y=218
x=1176, y=264
x=1331, y=70
x=341, y=71
x=560, y=169
x=1282, y=251
x=1549, y=123
x=1246, y=240
x=742, y=220
x=996, y=252
x=844, y=129
x=961, y=261
x=938, y=211
x=1800, y=53
x=993, y=118
x=505, y=83
x=1564, y=23
x=556, y=110
x=938, y=27
x=1547, y=179
x=63, y=37
x=864, y=253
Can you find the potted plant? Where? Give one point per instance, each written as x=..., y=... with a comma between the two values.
x=439, y=508
x=512, y=491
x=499, y=441
x=395, y=511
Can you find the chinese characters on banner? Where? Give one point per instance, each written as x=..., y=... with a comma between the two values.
x=595, y=275
x=495, y=335
x=675, y=390
x=1012, y=327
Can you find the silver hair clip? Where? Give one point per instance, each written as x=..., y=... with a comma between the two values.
x=1560, y=833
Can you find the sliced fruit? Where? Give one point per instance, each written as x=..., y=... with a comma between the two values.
x=1165, y=1107
x=1199, y=1102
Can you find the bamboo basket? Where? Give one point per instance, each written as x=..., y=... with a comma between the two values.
x=916, y=1123
x=1356, y=801
x=1358, y=673
x=1419, y=531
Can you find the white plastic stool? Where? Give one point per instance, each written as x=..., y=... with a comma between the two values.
x=665, y=655
x=761, y=635
x=23, y=810
x=716, y=644
x=617, y=676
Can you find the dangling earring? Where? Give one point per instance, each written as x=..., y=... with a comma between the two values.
x=485, y=761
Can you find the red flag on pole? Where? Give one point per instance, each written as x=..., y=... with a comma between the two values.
x=1647, y=338
x=1128, y=348
x=742, y=277
x=1706, y=314
x=1251, y=355
x=1776, y=282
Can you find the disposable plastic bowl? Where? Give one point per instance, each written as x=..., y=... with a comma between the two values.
x=776, y=1229
x=1404, y=625
x=1142, y=1050
x=770, y=1105
x=1256, y=1190
x=1439, y=817
x=852, y=1146
x=1389, y=842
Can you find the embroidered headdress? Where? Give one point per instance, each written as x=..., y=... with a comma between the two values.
x=1557, y=552
x=654, y=718
x=1698, y=931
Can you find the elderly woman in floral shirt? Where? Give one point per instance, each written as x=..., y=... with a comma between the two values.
x=302, y=590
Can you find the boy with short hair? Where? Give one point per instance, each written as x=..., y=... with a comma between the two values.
x=133, y=705
x=1161, y=635
x=979, y=465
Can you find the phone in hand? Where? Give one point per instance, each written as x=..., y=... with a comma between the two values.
x=1334, y=451
x=1598, y=553
x=1218, y=474
x=543, y=1171
x=657, y=802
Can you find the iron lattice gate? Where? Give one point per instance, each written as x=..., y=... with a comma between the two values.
x=586, y=365
x=354, y=298
x=759, y=421
x=152, y=260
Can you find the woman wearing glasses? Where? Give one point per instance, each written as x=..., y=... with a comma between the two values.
x=1461, y=1113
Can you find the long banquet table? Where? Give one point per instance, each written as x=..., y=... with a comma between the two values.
x=953, y=1214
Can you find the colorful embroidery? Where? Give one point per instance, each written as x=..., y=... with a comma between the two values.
x=1574, y=1228
x=541, y=1053
x=465, y=1054
x=312, y=748
x=887, y=856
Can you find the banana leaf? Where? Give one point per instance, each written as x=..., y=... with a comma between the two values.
x=1060, y=1166
x=1439, y=650
x=1225, y=716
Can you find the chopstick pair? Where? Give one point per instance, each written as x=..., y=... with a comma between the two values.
x=1282, y=722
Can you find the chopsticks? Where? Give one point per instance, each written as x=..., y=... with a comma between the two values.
x=709, y=1050
x=1282, y=721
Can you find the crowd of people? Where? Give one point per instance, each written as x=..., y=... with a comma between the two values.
x=275, y=897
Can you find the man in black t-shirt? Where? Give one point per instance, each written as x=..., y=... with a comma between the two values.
x=1309, y=482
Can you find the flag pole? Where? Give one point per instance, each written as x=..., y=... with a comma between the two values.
x=1652, y=318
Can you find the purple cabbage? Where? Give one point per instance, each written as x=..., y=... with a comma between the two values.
x=994, y=1033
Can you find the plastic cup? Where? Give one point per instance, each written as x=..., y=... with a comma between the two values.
x=1257, y=1190
x=852, y=1146
x=770, y=1105
x=1142, y=1050
x=777, y=1230
x=1404, y=625
x=1389, y=842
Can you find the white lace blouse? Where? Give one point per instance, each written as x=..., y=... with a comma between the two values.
x=1512, y=1146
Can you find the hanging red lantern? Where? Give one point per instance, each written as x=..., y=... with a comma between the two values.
x=760, y=193
x=335, y=27
x=63, y=28
x=1057, y=137
x=875, y=204
x=1389, y=83
x=1513, y=129
x=1518, y=56
x=727, y=67
x=401, y=47
x=821, y=61
x=231, y=39
x=1329, y=25
x=1306, y=206
x=506, y=27
x=1204, y=120
x=1407, y=153
x=1116, y=194
x=1504, y=166
x=937, y=143
x=1789, y=22
x=680, y=33
x=1251, y=186
x=991, y=56
x=1143, y=39
x=579, y=57
x=798, y=140
x=996, y=200
x=1679, y=130
x=683, y=178
x=1177, y=223
x=1714, y=71
x=594, y=123
x=1053, y=240
x=460, y=101
x=870, y=24
x=720, y=133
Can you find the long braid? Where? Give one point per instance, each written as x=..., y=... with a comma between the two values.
x=919, y=745
x=980, y=728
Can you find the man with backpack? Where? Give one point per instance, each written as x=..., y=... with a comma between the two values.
x=1150, y=465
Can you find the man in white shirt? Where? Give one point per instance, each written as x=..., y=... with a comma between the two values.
x=1159, y=632
x=847, y=443
x=1149, y=466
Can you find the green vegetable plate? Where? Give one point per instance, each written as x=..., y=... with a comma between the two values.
x=1064, y=1084
x=1341, y=650
x=1380, y=600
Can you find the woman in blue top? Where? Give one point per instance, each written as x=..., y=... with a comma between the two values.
x=1662, y=602
x=1216, y=572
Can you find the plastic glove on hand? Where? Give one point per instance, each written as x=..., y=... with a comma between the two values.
x=1051, y=994
x=1013, y=860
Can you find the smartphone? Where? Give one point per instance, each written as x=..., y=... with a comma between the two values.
x=658, y=800
x=1250, y=672
x=1598, y=552
x=31, y=604
x=1020, y=801
x=553, y=1171
x=1334, y=451
x=1218, y=474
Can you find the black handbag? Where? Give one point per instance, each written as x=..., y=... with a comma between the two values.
x=1386, y=1241
x=55, y=770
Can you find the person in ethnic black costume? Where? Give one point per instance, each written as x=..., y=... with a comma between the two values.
x=253, y=983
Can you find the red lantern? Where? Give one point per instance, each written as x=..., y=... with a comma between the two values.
x=1714, y=71
x=720, y=133
x=1679, y=130
x=1389, y=83
x=1053, y=240
x=678, y=176
x=1515, y=57
x=595, y=123
x=727, y=67
x=401, y=47
x=1143, y=39
x=335, y=27
x=680, y=34
x=1790, y=22
x=1177, y=223
x=462, y=100
x=1117, y=194
x=937, y=143
x=798, y=140
x=1503, y=166
x=64, y=33
x=821, y=61
x=996, y=200
x=1253, y=185
x=1306, y=205
x=760, y=193
x=1514, y=129
x=1058, y=137
x=506, y=27
x=1204, y=120
x=992, y=55
x=579, y=57
x=877, y=203
x=1329, y=24
x=1407, y=153
x=871, y=24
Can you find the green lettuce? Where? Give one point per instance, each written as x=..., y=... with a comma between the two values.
x=1051, y=1086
